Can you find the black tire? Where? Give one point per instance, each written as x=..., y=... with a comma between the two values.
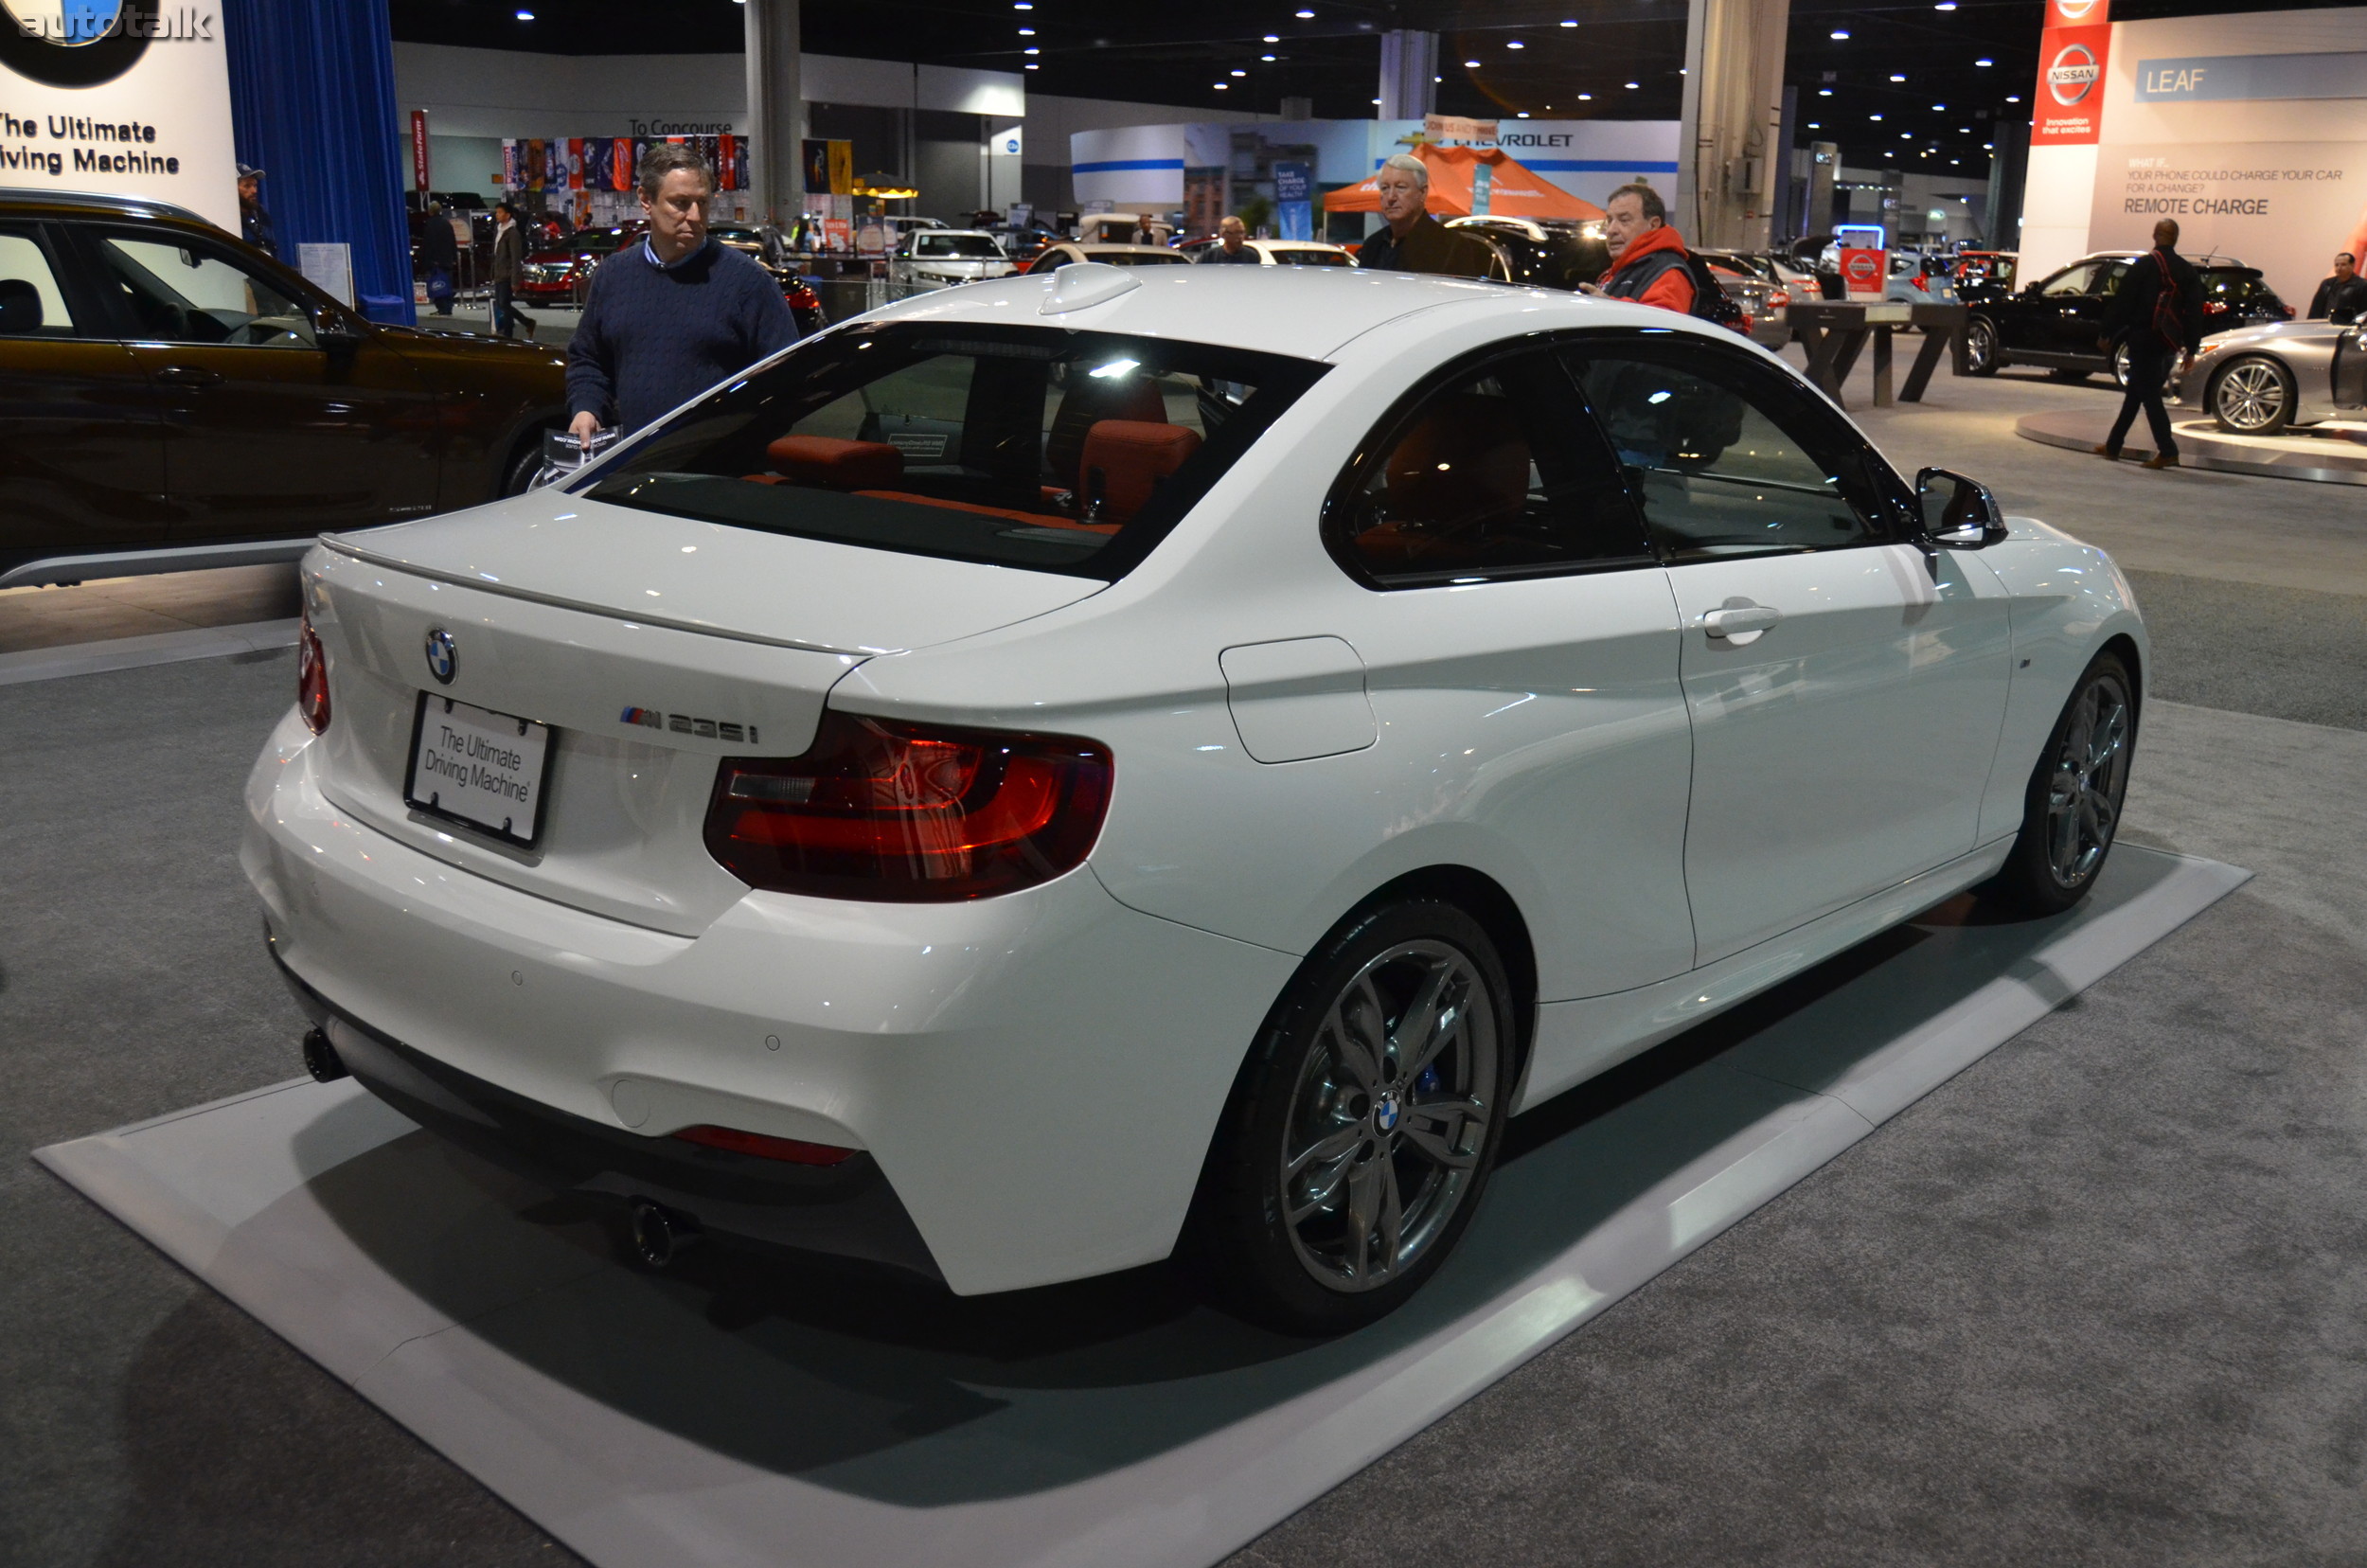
x=2252, y=395
x=2072, y=807
x=523, y=465
x=1304, y=1090
x=1983, y=352
x=2120, y=372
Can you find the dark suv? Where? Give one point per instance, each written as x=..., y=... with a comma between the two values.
x=2054, y=322
x=171, y=397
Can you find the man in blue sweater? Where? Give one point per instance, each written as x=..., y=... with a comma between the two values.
x=673, y=315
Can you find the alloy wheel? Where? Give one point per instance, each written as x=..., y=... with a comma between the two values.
x=1392, y=1109
x=1980, y=345
x=2091, y=776
x=2250, y=397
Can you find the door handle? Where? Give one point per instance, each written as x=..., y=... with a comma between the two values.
x=188, y=375
x=1740, y=618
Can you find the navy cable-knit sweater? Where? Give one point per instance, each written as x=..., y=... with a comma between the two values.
x=653, y=337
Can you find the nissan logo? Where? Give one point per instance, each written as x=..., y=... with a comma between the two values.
x=442, y=662
x=2072, y=75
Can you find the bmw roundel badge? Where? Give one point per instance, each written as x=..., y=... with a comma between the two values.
x=442, y=662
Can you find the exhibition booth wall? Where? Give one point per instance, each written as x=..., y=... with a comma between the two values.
x=122, y=114
x=2250, y=129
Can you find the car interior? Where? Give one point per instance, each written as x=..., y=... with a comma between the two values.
x=184, y=295
x=30, y=305
x=1031, y=453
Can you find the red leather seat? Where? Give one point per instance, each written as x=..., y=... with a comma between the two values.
x=1087, y=402
x=824, y=462
x=1124, y=461
x=1460, y=472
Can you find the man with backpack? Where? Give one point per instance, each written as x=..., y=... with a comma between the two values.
x=1652, y=266
x=2157, y=310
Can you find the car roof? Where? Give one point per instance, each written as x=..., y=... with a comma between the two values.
x=943, y=233
x=1102, y=247
x=69, y=201
x=1308, y=312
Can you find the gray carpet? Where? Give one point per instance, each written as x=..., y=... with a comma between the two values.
x=2286, y=652
x=144, y=1420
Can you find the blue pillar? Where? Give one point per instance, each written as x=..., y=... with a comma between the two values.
x=312, y=105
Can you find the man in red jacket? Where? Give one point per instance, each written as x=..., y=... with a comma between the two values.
x=1650, y=268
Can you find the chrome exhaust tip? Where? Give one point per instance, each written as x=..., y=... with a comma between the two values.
x=659, y=1236
x=320, y=1058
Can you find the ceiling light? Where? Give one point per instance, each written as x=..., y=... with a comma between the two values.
x=1569, y=23
x=1634, y=85
x=1940, y=107
x=1586, y=98
x=1989, y=147
x=1269, y=58
x=1226, y=87
x=1031, y=51
x=1841, y=32
x=1524, y=115
x=2013, y=98
x=1471, y=65
x=525, y=16
x=1945, y=4
x=1814, y=125
x=1514, y=43
x=1274, y=38
x=1873, y=116
x=1896, y=76
x=1029, y=66
x=1985, y=63
x=1308, y=15
x=1237, y=73
x=1026, y=32
x=1825, y=91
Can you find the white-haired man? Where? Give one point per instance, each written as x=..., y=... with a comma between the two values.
x=1413, y=240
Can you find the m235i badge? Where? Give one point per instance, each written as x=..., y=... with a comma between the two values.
x=683, y=724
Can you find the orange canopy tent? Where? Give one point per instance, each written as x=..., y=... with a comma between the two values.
x=1513, y=191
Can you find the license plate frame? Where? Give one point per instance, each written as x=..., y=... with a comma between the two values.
x=530, y=741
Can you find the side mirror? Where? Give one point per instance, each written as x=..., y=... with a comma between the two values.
x=1958, y=513
x=337, y=336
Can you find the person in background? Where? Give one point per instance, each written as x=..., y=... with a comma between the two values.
x=2157, y=310
x=1648, y=258
x=2341, y=299
x=439, y=253
x=1413, y=240
x=1232, y=247
x=253, y=222
x=510, y=270
x=1144, y=233
x=673, y=315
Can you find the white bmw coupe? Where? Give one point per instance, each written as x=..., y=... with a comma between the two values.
x=1075, y=766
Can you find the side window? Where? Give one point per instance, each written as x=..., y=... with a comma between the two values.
x=1498, y=474
x=2108, y=277
x=2072, y=280
x=181, y=293
x=31, y=303
x=1728, y=457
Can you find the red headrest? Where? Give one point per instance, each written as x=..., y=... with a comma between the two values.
x=828, y=463
x=1125, y=458
x=1088, y=400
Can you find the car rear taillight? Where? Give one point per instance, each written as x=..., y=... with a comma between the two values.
x=802, y=296
x=881, y=809
x=2215, y=307
x=764, y=1145
x=1778, y=300
x=1920, y=284
x=311, y=678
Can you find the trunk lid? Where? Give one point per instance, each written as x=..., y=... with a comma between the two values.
x=651, y=647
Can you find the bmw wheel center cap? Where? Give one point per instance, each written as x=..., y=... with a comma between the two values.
x=1385, y=1114
x=442, y=661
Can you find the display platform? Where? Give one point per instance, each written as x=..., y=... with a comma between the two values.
x=745, y=1410
x=2334, y=452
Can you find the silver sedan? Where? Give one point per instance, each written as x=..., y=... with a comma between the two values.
x=2261, y=380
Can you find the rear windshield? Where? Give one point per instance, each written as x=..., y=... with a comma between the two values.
x=955, y=244
x=1041, y=448
x=1312, y=258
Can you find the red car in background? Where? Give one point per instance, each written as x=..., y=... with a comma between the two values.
x=558, y=274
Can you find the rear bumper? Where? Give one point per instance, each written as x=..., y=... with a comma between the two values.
x=1034, y=1079
x=848, y=1209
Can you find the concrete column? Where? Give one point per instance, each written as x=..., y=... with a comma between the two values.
x=1824, y=169
x=1409, y=74
x=777, y=109
x=1728, y=162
